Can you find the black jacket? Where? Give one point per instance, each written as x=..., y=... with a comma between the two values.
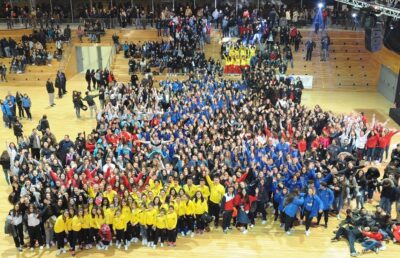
x=49, y=87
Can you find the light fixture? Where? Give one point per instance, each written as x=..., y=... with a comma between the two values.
x=354, y=15
x=320, y=5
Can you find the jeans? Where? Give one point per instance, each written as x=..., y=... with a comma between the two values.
x=78, y=112
x=349, y=235
x=371, y=244
x=370, y=154
x=226, y=219
x=338, y=204
x=386, y=204
x=360, y=199
x=51, y=99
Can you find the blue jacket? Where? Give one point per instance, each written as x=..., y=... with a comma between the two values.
x=291, y=209
x=26, y=102
x=312, y=204
x=326, y=197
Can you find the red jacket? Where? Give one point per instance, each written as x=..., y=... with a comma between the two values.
x=228, y=202
x=239, y=200
x=302, y=145
x=385, y=140
x=372, y=141
x=105, y=233
x=396, y=233
x=374, y=235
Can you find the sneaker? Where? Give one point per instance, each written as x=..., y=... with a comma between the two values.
x=58, y=252
x=162, y=244
x=308, y=232
x=32, y=249
x=245, y=231
x=119, y=246
x=376, y=250
x=111, y=243
x=338, y=216
x=41, y=247
x=106, y=247
x=288, y=233
x=154, y=246
x=47, y=246
x=251, y=226
x=226, y=231
x=183, y=233
x=126, y=248
x=20, y=249
x=148, y=244
x=355, y=254
x=192, y=234
x=64, y=251
x=264, y=222
x=334, y=239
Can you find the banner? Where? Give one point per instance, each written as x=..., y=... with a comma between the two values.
x=306, y=79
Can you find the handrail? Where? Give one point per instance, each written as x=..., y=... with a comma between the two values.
x=66, y=57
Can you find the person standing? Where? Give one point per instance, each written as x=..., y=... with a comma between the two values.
x=50, y=91
x=18, y=99
x=217, y=191
x=3, y=72
x=58, y=86
x=77, y=100
x=88, y=79
x=310, y=44
x=90, y=100
x=26, y=104
x=34, y=143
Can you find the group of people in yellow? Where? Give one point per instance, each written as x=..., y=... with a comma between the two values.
x=237, y=56
x=152, y=214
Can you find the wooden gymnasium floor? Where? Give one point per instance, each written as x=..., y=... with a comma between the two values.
x=262, y=241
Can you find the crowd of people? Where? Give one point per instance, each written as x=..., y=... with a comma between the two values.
x=178, y=158
x=173, y=159
x=32, y=49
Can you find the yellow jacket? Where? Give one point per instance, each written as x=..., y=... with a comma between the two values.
x=205, y=191
x=109, y=215
x=135, y=216
x=217, y=191
x=69, y=224
x=150, y=217
x=161, y=221
x=119, y=223
x=190, y=190
x=189, y=209
x=60, y=225
x=109, y=195
x=85, y=221
x=126, y=211
x=155, y=189
x=76, y=224
x=171, y=220
x=93, y=222
x=142, y=217
x=181, y=210
x=200, y=207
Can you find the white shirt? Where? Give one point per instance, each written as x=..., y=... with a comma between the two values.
x=33, y=220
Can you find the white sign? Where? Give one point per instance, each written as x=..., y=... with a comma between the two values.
x=306, y=79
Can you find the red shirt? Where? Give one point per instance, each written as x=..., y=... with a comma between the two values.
x=374, y=235
x=372, y=141
x=302, y=145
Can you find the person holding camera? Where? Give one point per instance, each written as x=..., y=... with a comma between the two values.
x=77, y=100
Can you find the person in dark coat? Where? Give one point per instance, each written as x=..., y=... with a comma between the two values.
x=88, y=79
x=17, y=127
x=50, y=91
